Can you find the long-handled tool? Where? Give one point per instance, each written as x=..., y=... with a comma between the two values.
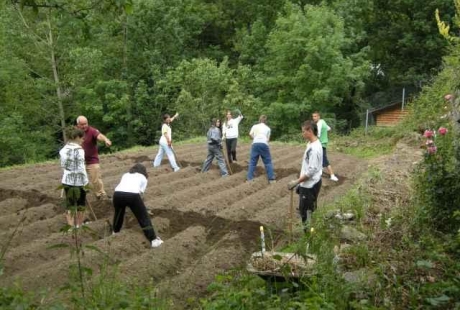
x=226, y=158
x=291, y=213
x=92, y=211
x=175, y=156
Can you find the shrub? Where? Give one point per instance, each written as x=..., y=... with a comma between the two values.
x=437, y=182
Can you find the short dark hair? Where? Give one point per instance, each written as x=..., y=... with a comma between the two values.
x=213, y=121
x=309, y=125
x=165, y=116
x=74, y=133
x=139, y=168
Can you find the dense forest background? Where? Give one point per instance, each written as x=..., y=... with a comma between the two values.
x=122, y=63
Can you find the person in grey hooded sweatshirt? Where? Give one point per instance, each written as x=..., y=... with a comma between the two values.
x=215, y=149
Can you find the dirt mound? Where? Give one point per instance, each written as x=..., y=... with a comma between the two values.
x=209, y=224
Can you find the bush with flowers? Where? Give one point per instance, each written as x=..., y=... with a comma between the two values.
x=437, y=182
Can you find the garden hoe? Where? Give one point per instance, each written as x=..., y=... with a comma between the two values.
x=175, y=156
x=226, y=158
x=92, y=211
x=291, y=213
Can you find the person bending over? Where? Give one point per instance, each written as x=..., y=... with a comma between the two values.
x=128, y=194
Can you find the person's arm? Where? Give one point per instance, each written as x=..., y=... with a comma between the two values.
x=319, y=125
x=102, y=138
x=215, y=136
x=251, y=133
x=314, y=165
x=174, y=117
x=224, y=131
x=143, y=185
x=268, y=135
x=240, y=115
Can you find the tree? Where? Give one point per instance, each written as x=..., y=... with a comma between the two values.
x=305, y=68
x=201, y=89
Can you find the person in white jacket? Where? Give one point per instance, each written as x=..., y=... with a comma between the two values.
x=128, y=194
x=74, y=178
x=309, y=181
x=230, y=134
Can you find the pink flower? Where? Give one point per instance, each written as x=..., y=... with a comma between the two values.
x=442, y=131
x=432, y=149
x=428, y=134
x=429, y=142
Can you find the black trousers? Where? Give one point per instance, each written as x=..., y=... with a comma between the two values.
x=231, y=149
x=121, y=200
x=75, y=196
x=308, y=199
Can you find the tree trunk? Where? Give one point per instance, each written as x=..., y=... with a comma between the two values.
x=56, y=79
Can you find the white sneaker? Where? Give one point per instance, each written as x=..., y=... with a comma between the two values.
x=334, y=178
x=177, y=169
x=157, y=242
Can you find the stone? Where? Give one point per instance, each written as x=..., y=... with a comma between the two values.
x=351, y=234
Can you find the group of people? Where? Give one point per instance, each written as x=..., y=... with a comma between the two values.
x=80, y=163
x=79, y=159
x=308, y=185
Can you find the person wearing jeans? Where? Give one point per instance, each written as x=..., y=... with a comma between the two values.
x=215, y=149
x=260, y=134
x=128, y=194
x=166, y=143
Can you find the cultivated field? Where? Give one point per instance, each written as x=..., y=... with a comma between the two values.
x=210, y=224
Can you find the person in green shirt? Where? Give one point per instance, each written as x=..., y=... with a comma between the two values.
x=323, y=128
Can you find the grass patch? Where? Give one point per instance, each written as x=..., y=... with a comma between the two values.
x=376, y=142
x=399, y=265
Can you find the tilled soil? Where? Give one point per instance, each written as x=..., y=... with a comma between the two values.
x=209, y=224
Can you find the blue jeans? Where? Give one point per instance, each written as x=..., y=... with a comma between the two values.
x=165, y=149
x=260, y=150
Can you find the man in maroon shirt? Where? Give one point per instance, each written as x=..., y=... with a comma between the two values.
x=92, y=135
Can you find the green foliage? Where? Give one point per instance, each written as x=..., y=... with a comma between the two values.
x=305, y=67
x=202, y=89
x=14, y=297
x=124, y=63
x=20, y=145
x=377, y=141
x=394, y=30
x=437, y=184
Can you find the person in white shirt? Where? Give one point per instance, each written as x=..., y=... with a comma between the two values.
x=260, y=134
x=309, y=181
x=166, y=143
x=74, y=178
x=128, y=194
x=323, y=129
x=230, y=134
